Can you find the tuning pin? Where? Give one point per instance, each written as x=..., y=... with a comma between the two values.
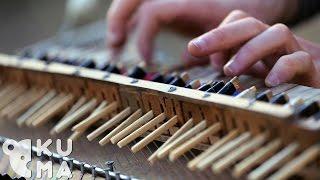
x=88, y=63
x=137, y=72
x=264, y=96
x=60, y=159
x=282, y=98
x=70, y=163
x=231, y=87
x=157, y=78
x=117, y=175
x=106, y=174
x=308, y=110
x=217, y=87
x=110, y=165
x=81, y=164
x=93, y=171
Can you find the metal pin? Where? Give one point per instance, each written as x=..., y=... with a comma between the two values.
x=82, y=167
x=171, y=89
x=60, y=159
x=118, y=176
x=110, y=165
x=134, y=81
x=70, y=163
x=106, y=173
x=51, y=159
x=106, y=76
x=93, y=171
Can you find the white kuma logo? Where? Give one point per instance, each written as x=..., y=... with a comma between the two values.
x=20, y=155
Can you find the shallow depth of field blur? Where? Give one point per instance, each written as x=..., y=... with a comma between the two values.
x=28, y=21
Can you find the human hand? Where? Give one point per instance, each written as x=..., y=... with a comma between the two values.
x=147, y=16
x=256, y=48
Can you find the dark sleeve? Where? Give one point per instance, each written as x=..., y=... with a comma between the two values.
x=307, y=8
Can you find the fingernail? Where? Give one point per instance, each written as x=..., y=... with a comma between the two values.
x=272, y=80
x=229, y=69
x=199, y=43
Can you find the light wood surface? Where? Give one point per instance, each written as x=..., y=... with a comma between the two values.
x=239, y=153
x=298, y=163
x=95, y=116
x=154, y=134
x=133, y=117
x=74, y=117
x=193, y=164
x=187, y=126
x=141, y=130
x=188, y=145
x=256, y=158
x=223, y=150
x=181, y=139
x=25, y=116
x=132, y=127
x=274, y=162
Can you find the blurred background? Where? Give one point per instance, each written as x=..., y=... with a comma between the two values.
x=28, y=21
